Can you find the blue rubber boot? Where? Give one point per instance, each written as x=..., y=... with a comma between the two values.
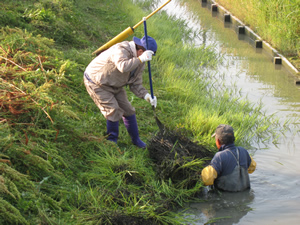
x=112, y=130
x=132, y=128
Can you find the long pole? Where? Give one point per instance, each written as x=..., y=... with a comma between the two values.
x=125, y=33
x=159, y=124
x=149, y=67
x=151, y=14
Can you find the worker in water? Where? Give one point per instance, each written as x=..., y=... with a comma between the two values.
x=105, y=78
x=230, y=167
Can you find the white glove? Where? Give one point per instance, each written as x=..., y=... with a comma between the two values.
x=153, y=101
x=146, y=56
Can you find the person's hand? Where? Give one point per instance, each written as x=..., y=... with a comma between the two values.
x=152, y=101
x=146, y=56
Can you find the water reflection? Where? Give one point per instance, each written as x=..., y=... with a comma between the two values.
x=222, y=207
x=252, y=72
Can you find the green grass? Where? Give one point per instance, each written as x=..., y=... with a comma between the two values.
x=56, y=166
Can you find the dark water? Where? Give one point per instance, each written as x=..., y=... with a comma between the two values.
x=274, y=197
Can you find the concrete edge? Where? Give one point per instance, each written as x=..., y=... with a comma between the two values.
x=241, y=28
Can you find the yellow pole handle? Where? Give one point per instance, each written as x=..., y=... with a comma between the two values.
x=120, y=37
x=151, y=14
x=126, y=33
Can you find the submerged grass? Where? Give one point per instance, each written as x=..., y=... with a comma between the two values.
x=56, y=166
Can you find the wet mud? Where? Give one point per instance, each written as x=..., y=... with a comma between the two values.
x=126, y=220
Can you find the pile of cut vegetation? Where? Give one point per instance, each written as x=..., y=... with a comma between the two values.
x=178, y=158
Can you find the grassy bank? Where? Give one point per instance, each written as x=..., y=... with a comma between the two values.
x=56, y=166
x=276, y=21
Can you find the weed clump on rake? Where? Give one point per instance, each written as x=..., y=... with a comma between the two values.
x=178, y=158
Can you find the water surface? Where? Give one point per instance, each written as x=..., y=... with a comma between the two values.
x=274, y=197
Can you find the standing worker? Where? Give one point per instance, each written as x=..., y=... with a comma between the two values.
x=230, y=167
x=106, y=75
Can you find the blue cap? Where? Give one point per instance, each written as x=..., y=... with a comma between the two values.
x=142, y=42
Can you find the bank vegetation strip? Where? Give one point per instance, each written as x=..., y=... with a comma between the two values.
x=56, y=166
x=276, y=21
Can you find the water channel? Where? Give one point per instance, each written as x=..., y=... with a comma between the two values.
x=274, y=197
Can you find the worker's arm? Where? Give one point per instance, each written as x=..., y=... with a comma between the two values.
x=208, y=175
x=123, y=60
x=137, y=86
x=252, y=166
